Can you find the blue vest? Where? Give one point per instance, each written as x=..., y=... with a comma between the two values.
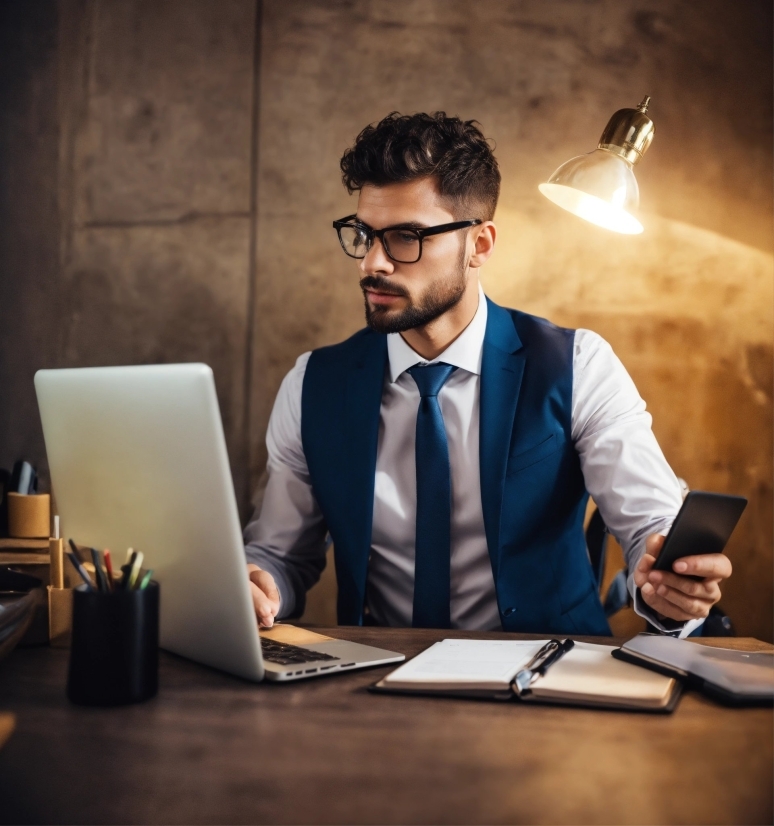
x=532, y=490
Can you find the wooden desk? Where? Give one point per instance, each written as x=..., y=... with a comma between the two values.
x=213, y=749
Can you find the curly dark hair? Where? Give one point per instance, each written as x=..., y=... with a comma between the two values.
x=408, y=147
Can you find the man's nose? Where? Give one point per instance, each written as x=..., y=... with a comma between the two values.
x=376, y=260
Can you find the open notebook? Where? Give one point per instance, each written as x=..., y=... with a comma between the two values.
x=586, y=675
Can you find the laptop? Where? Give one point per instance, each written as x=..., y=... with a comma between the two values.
x=138, y=459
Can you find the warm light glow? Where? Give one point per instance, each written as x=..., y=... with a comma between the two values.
x=595, y=210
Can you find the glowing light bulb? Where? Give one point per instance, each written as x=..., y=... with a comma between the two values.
x=600, y=186
x=593, y=209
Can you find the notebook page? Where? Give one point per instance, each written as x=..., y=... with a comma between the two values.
x=466, y=663
x=589, y=670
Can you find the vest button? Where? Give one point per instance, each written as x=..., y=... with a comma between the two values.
x=508, y=611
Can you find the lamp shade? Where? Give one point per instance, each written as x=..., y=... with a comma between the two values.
x=600, y=186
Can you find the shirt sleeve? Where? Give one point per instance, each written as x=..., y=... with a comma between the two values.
x=287, y=534
x=625, y=471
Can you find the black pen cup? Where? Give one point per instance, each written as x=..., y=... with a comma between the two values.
x=114, y=654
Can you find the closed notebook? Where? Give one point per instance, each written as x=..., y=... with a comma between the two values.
x=732, y=677
x=587, y=675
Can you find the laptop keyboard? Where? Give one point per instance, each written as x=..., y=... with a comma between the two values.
x=284, y=654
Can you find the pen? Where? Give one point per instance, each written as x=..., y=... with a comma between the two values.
x=552, y=651
x=74, y=547
x=26, y=478
x=109, y=566
x=145, y=580
x=127, y=569
x=81, y=570
x=99, y=573
x=555, y=655
x=135, y=570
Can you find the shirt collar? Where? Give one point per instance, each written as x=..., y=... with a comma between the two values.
x=464, y=352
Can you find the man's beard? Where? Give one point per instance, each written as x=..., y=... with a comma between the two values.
x=437, y=299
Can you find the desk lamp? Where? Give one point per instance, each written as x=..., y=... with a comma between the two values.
x=600, y=186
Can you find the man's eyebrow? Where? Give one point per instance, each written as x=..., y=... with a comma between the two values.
x=402, y=225
x=411, y=225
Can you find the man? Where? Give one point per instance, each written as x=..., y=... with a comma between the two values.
x=448, y=447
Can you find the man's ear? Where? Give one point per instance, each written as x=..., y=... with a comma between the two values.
x=483, y=246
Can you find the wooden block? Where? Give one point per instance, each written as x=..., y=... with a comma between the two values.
x=60, y=617
x=56, y=554
x=12, y=544
x=16, y=558
x=29, y=515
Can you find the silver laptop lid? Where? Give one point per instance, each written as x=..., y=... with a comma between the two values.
x=138, y=458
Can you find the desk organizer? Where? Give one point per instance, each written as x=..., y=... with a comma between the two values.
x=114, y=653
x=29, y=515
x=60, y=616
x=60, y=599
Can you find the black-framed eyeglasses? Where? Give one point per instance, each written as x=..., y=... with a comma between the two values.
x=402, y=243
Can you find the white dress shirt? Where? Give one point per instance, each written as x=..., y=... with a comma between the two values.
x=624, y=470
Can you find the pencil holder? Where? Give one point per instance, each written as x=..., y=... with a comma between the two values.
x=114, y=651
x=29, y=515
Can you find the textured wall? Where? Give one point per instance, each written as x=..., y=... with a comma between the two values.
x=29, y=219
x=169, y=171
x=156, y=190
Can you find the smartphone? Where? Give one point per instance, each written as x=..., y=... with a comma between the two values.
x=703, y=526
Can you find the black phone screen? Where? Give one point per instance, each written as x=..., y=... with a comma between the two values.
x=703, y=526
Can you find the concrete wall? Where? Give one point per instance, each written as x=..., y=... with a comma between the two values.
x=132, y=126
x=195, y=149
x=29, y=217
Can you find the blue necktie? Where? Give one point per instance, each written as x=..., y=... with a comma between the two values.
x=432, y=572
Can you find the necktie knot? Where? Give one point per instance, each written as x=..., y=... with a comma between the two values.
x=430, y=378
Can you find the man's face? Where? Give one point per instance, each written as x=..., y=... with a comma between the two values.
x=399, y=297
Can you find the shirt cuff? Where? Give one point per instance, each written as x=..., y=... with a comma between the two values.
x=674, y=628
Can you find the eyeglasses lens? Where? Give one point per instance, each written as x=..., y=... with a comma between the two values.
x=402, y=245
x=354, y=239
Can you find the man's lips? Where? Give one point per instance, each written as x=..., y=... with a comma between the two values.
x=378, y=297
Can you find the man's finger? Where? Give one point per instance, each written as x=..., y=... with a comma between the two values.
x=716, y=566
x=654, y=543
x=264, y=609
x=265, y=581
x=643, y=568
x=703, y=589
x=663, y=606
x=696, y=608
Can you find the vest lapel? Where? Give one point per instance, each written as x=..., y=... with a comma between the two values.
x=365, y=381
x=502, y=368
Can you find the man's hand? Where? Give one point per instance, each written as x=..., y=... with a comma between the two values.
x=673, y=595
x=266, y=598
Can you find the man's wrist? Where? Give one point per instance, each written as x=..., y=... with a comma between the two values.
x=663, y=623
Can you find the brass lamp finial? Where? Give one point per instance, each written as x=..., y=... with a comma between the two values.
x=629, y=133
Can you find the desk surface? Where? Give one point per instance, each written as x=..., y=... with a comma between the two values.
x=214, y=749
